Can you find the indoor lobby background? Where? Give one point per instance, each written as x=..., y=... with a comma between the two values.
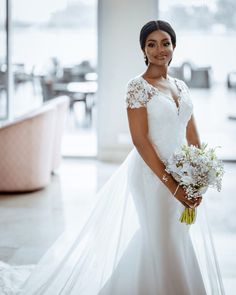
x=86, y=51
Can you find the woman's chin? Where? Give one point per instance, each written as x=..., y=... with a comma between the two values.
x=160, y=63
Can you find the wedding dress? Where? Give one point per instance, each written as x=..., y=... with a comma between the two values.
x=133, y=242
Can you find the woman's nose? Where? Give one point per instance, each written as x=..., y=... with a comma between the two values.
x=159, y=48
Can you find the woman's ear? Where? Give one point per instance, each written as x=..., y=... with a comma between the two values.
x=144, y=53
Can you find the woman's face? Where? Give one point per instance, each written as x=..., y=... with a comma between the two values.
x=158, y=48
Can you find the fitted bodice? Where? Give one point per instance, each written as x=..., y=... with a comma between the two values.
x=167, y=120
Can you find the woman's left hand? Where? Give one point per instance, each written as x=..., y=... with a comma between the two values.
x=197, y=201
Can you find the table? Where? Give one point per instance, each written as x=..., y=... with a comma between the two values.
x=77, y=91
x=89, y=87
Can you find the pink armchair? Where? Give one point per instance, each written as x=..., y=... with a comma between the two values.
x=30, y=147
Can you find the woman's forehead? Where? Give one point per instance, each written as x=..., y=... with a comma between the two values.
x=157, y=35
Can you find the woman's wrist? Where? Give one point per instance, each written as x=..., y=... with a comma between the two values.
x=176, y=190
x=170, y=182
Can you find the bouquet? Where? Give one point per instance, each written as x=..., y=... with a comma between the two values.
x=195, y=169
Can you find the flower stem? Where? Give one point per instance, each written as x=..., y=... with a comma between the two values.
x=188, y=216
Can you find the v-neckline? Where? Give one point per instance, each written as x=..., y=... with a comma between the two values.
x=175, y=101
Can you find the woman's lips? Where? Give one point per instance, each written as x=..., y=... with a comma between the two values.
x=161, y=57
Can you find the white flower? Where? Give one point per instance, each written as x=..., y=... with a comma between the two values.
x=174, y=169
x=186, y=180
x=186, y=168
x=203, y=190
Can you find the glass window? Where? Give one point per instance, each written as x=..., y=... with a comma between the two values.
x=54, y=49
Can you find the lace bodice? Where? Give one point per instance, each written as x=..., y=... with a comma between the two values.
x=167, y=120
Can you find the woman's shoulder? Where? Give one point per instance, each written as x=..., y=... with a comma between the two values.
x=135, y=81
x=136, y=95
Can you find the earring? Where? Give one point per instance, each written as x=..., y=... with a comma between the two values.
x=145, y=59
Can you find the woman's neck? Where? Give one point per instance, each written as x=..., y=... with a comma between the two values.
x=154, y=72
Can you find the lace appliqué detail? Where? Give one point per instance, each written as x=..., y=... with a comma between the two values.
x=137, y=94
x=185, y=90
x=182, y=86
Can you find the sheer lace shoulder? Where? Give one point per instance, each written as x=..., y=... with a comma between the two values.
x=184, y=90
x=183, y=86
x=136, y=94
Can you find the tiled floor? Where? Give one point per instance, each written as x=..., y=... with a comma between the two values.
x=30, y=223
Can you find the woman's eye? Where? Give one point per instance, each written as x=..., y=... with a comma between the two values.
x=151, y=45
x=166, y=43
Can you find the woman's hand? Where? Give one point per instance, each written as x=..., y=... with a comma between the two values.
x=198, y=201
x=182, y=197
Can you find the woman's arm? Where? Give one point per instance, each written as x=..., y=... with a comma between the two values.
x=192, y=133
x=138, y=125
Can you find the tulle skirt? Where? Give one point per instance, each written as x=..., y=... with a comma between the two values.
x=132, y=243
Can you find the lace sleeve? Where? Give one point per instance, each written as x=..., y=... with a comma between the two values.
x=136, y=95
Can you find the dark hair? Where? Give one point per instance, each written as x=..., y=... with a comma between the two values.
x=152, y=26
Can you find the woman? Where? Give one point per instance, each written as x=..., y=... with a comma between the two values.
x=133, y=242
x=158, y=46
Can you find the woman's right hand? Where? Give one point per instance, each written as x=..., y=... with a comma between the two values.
x=182, y=197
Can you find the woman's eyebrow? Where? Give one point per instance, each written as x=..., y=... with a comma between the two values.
x=161, y=40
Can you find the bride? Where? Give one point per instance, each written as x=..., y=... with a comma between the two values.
x=133, y=242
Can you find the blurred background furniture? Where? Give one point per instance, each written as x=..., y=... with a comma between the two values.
x=21, y=73
x=231, y=84
x=78, y=82
x=193, y=76
x=30, y=147
x=47, y=88
x=78, y=92
x=61, y=104
x=2, y=78
x=231, y=80
x=77, y=72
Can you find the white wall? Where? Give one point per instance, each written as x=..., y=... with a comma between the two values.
x=119, y=59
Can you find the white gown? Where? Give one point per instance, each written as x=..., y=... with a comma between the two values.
x=133, y=243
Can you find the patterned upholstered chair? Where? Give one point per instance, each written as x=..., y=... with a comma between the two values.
x=61, y=104
x=30, y=147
